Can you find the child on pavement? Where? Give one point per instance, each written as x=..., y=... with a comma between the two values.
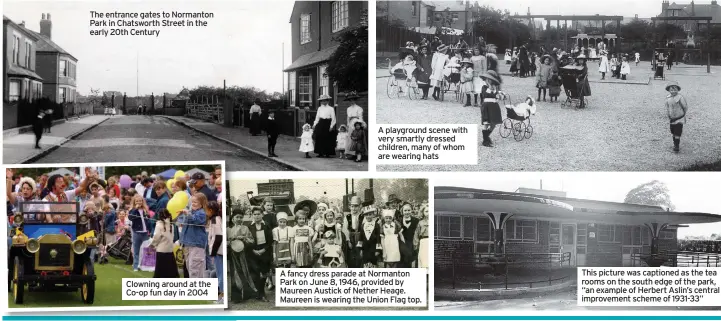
x=306, y=141
x=676, y=108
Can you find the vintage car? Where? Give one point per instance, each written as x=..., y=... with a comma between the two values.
x=50, y=250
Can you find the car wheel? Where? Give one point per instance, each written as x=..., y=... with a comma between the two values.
x=87, y=290
x=18, y=284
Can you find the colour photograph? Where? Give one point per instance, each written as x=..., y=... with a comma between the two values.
x=75, y=232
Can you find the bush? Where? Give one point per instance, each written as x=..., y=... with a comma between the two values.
x=28, y=110
x=348, y=65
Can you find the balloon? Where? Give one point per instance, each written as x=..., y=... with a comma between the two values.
x=179, y=174
x=177, y=203
x=170, y=184
x=125, y=181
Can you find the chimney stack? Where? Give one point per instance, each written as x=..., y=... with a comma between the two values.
x=22, y=23
x=693, y=8
x=714, y=3
x=664, y=8
x=46, y=26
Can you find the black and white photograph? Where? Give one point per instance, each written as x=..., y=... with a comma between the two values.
x=516, y=241
x=557, y=85
x=263, y=85
x=325, y=223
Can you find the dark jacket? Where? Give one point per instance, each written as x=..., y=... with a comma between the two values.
x=135, y=220
x=271, y=127
x=208, y=193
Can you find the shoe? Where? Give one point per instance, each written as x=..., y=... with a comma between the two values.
x=38, y=147
x=270, y=155
x=262, y=299
x=274, y=155
x=676, y=149
x=136, y=270
x=308, y=156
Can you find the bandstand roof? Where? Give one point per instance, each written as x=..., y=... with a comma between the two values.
x=475, y=201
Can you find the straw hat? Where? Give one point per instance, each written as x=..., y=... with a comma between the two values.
x=673, y=84
x=352, y=95
x=442, y=48
x=492, y=75
x=324, y=97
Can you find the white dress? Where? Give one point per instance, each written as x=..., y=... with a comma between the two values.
x=306, y=142
x=437, y=64
x=638, y=57
x=391, y=246
x=625, y=68
x=603, y=67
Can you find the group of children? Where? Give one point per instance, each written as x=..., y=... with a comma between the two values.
x=618, y=66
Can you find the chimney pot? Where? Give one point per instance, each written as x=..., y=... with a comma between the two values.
x=43, y=16
x=48, y=16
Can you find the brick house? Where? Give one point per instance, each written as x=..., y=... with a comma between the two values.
x=21, y=80
x=470, y=223
x=57, y=67
x=313, y=26
x=692, y=9
x=425, y=15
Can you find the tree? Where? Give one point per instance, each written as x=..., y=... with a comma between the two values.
x=348, y=65
x=653, y=193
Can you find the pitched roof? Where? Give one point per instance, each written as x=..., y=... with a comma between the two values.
x=312, y=58
x=699, y=10
x=20, y=28
x=450, y=5
x=14, y=70
x=47, y=45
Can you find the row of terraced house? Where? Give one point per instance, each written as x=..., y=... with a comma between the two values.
x=35, y=67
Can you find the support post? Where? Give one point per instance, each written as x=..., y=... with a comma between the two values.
x=708, y=46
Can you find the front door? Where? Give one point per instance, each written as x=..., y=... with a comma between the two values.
x=568, y=242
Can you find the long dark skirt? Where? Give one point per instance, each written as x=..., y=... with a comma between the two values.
x=165, y=266
x=491, y=113
x=324, y=140
x=241, y=283
x=255, y=124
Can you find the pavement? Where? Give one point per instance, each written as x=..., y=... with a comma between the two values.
x=286, y=147
x=624, y=128
x=18, y=149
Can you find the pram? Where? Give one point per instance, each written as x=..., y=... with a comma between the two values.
x=121, y=248
x=518, y=120
x=401, y=80
x=452, y=82
x=574, y=89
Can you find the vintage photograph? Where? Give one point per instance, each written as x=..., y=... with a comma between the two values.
x=74, y=233
x=263, y=85
x=558, y=85
x=514, y=241
x=323, y=223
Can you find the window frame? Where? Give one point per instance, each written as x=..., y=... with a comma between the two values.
x=440, y=228
x=519, y=239
x=28, y=54
x=305, y=21
x=15, y=97
x=63, y=68
x=63, y=93
x=323, y=81
x=341, y=22
x=617, y=239
x=291, y=87
x=16, y=49
x=305, y=88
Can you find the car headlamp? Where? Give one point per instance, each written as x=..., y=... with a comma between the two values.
x=33, y=245
x=79, y=247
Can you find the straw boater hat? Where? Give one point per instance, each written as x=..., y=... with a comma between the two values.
x=281, y=216
x=442, y=48
x=671, y=84
x=492, y=76
x=324, y=97
x=352, y=95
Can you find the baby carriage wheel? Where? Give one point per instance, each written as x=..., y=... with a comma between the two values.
x=529, y=131
x=519, y=130
x=392, y=88
x=413, y=91
x=506, y=128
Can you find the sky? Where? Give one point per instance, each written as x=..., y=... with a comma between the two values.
x=690, y=192
x=644, y=8
x=242, y=44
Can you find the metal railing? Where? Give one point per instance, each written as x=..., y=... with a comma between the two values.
x=500, y=265
x=208, y=112
x=681, y=259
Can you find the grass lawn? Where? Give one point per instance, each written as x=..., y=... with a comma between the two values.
x=108, y=291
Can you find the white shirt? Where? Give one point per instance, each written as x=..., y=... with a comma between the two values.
x=140, y=189
x=354, y=113
x=142, y=220
x=255, y=109
x=325, y=112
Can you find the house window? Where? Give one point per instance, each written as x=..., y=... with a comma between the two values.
x=449, y=227
x=304, y=89
x=339, y=18
x=414, y=8
x=632, y=235
x=483, y=229
x=28, y=52
x=304, y=28
x=667, y=235
x=14, y=91
x=63, y=68
x=455, y=16
x=291, y=86
x=16, y=50
x=609, y=234
x=323, y=85
x=63, y=95
x=525, y=231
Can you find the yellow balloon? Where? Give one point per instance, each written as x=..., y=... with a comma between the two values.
x=177, y=203
x=170, y=184
x=179, y=174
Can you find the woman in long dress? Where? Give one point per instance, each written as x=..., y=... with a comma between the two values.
x=241, y=282
x=255, y=111
x=323, y=128
x=354, y=114
x=423, y=70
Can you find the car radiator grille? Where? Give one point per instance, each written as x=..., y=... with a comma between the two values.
x=62, y=258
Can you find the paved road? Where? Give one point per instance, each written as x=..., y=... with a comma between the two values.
x=147, y=138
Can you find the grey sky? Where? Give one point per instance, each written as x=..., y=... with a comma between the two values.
x=241, y=44
x=690, y=192
x=644, y=8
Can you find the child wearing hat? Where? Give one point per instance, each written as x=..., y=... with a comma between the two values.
x=341, y=141
x=306, y=141
x=625, y=68
x=467, y=79
x=283, y=237
x=331, y=254
x=490, y=109
x=302, y=242
x=369, y=238
x=543, y=76
x=676, y=108
x=391, y=237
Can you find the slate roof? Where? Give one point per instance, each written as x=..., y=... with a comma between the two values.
x=312, y=58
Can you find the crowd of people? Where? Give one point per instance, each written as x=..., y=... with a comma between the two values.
x=323, y=236
x=135, y=209
x=325, y=137
x=700, y=246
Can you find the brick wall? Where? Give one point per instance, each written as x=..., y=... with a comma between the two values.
x=446, y=251
x=540, y=247
x=343, y=105
x=10, y=115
